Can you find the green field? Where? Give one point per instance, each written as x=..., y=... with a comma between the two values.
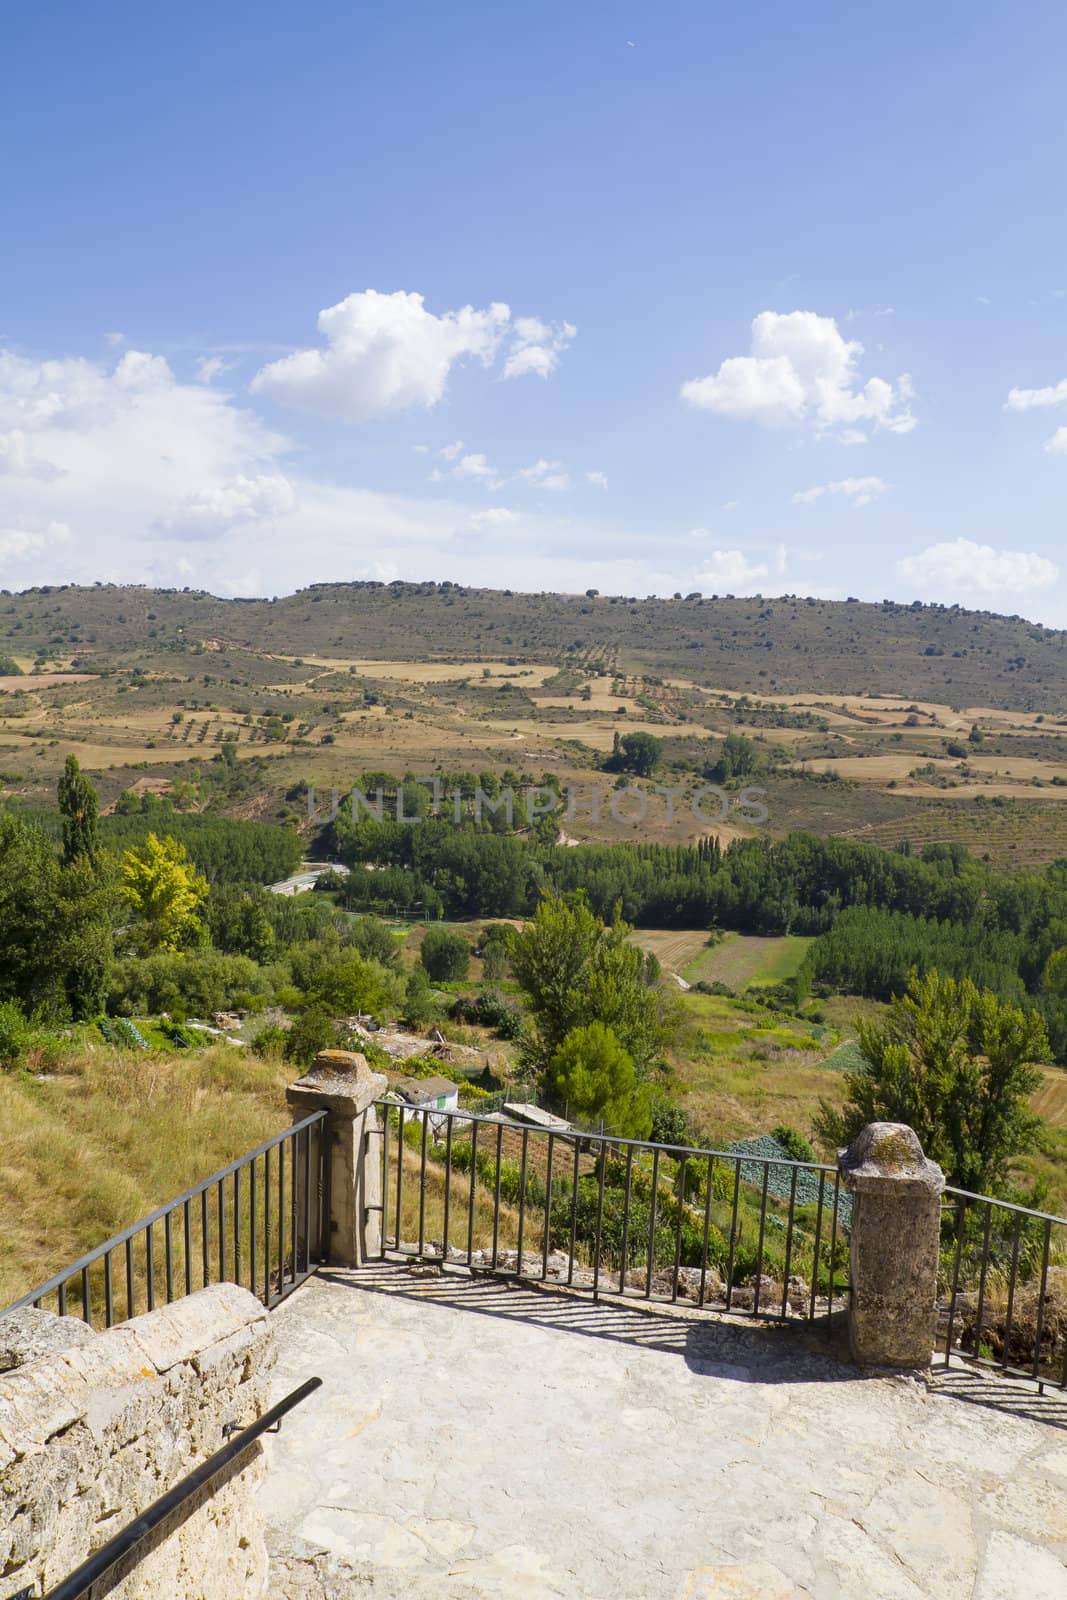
x=742, y=960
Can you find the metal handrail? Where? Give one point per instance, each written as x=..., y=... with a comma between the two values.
x=144, y=1224
x=1004, y=1205
x=102, y=1561
x=607, y=1137
x=616, y=1261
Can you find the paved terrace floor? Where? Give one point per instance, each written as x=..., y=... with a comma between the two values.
x=478, y=1439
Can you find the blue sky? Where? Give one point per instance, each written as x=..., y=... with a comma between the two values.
x=734, y=298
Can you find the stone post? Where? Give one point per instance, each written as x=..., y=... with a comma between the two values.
x=896, y=1223
x=341, y=1083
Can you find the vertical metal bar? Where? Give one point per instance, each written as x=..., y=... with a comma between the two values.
x=237, y=1226
x=574, y=1209
x=762, y=1230
x=707, y=1229
x=386, y=1115
x=205, y=1239
x=680, y=1206
x=422, y=1180
x=626, y=1219
x=599, y=1220
x=252, y=1224
x=833, y=1245
x=548, y=1208
x=789, y=1242
x=733, y=1232
x=522, y=1196
x=281, y=1219
x=150, y=1266
x=399, y=1171
x=294, y=1202
x=652, y=1222
x=815, y=1257
x=496, y=1192
x=131, y=1298
x=266, y=1227
x=109, y=1297
x=168, y=1256
x=474, y=1180
x=1041, y=1300
x=982, y=1278
x=306, y=1256
x=220, y=1200
x=87, y=1302
x=448, y=1185
x=187, y=1247
x=1011, y=1287
x=63, y=1298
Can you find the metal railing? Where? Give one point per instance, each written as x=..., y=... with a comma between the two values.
x=261, y=1221
x=996, y=1308
x=760, y=1235
x=126, y=1545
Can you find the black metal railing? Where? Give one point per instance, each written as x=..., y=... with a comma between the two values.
x=1002, y=1288
x=128, y=1545
x=261, y=1221
x=754, y=1234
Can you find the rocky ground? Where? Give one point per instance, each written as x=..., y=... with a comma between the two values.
x=479, y=1439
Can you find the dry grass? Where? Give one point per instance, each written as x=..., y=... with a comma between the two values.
x=90, y=1150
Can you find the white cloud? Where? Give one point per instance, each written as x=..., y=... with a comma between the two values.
x=18, y=543
x=598, y=479
x=962, y=566
x=449, y=452
x=208, y=368
x=114, y=339
x=536, y=347
x=1057, y=445
x=494, y=517
x=384, y=353
x=858, y=491
x=1035, y=399
x=801, y=370
x=727, y=569
x=207, y=512
x=546, y=475
x=473, y=466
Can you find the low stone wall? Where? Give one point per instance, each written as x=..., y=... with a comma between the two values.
x=96, y=1426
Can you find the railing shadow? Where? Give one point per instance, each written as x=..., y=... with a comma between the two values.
x=710, y=1343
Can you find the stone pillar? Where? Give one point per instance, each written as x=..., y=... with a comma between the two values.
x=341, y=1083
x=896, y=1223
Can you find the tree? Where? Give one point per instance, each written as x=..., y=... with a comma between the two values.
x=575, y=970
x=639, y=753
x=419, y=1004
x=313, y=1030
x=737, y=759
x=955, y=1062
x=593, y=1075
x=446, y=956
x=9, y=667
x=80, y=809
x=166, y=892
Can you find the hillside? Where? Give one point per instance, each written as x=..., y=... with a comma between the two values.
x=757, y=645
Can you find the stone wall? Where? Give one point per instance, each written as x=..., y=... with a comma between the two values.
x=96, y=1426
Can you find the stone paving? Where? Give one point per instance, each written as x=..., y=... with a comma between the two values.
x=475, y=1439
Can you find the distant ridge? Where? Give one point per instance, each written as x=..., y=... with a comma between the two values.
x=765, y=646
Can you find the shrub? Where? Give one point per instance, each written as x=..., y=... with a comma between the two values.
x=796, y=1147
x=15, y=1032
x=446, y=956
x=315, y=1030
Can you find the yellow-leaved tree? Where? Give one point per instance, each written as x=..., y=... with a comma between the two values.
x=166, y=891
